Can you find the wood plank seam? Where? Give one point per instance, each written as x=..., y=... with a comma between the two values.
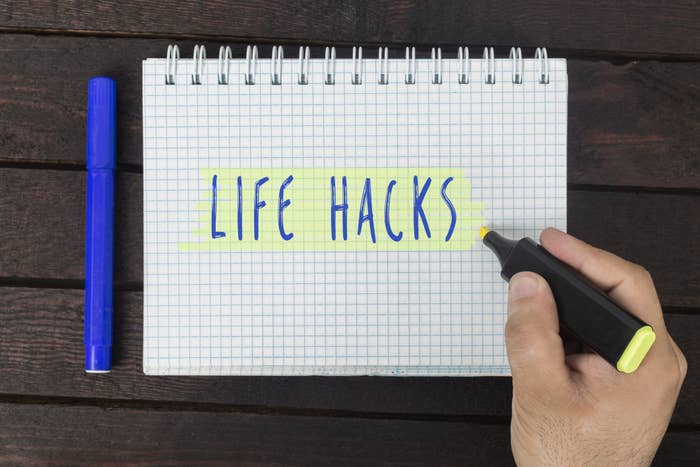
x=168, y=406
x=616, y=57
x=176, y=406
x=138, y=169
x=73, y=284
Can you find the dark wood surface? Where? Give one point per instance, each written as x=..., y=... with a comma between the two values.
x=56, y=316
x=128, y=435
x=634, y=188
x=616, y=28
x=654, y=145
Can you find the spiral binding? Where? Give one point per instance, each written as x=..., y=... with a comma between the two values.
x=358, y=66
x=383, y=66
x=436, y=65
x=463, y=57
x=490, y=70
x=171, y=59
x=516, y=57
x=224, y=64
x=541, y=55
x=199, y=57
x=251, y=60
x=276, y=68
x=329, y=66
x=304, y=55
x=410, y=76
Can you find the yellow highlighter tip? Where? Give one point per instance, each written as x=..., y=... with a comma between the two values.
x=483, y=231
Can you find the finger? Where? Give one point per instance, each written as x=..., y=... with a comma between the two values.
x=535, y=349
x=627, y=283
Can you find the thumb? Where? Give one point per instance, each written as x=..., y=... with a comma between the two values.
x=535, y=349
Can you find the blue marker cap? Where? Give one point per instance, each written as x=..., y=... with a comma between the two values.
x=99, y=239
x=102, y=123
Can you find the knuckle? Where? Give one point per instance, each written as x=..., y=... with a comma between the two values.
x=537, y=350
x=517, y=329
x=675, y=370
x=527, y=339
x=641, y=274
x=683, y=366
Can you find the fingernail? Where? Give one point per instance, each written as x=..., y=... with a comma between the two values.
x=522, y=286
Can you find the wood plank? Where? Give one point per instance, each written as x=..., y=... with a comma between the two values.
x=659, y=231
x=55, y=369
x=44, y=217
x=610, y=26
x=634, y=124
x=629, y=125
x=41, y=434
x=89, y=435
x=53, y=318
x=43, y=234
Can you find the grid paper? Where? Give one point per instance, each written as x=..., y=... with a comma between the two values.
x=414, y=313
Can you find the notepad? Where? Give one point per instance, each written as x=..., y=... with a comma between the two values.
x=320, y=215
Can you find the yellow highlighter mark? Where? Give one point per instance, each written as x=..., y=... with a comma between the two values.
x=335, y=209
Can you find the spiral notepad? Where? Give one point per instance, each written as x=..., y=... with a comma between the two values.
x=320, y=215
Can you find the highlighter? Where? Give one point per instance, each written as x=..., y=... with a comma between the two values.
x=584, y=310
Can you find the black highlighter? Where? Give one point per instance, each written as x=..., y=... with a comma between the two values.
x=584, y=310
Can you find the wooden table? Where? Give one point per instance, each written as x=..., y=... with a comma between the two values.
x=633, y=185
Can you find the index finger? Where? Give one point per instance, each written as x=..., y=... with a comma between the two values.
x=627, y=283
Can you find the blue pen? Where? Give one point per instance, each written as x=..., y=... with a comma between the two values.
x=99, y=238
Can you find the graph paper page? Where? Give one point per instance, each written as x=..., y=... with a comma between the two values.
x=218, y=301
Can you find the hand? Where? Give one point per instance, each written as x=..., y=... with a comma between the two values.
x=574, y=409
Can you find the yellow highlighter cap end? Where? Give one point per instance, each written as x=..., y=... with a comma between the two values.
x=636, y=350
x=483, y=231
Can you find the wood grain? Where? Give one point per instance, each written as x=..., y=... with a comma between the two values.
x=633, y=170
x=658, y=231
x=623, y=27
x=41, y=434
x=43, y=232
x=54, y=318
x=88, y=435
x=633, y=124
